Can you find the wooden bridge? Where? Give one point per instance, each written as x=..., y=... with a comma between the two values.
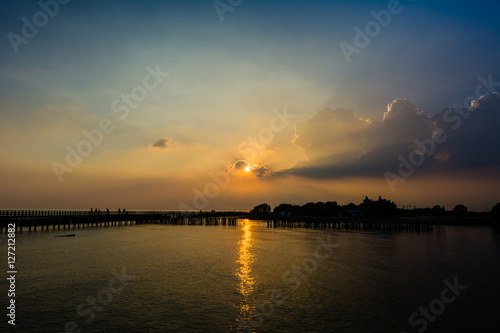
x=68, y=219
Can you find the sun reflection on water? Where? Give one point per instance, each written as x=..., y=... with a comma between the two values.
x=244, y=272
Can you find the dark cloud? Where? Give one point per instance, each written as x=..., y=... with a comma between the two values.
x=236, y=167
x=239, y=165
x=260, y=170
x=163, y=143
x=473, y=134
x=330, y=132
x=339, y=144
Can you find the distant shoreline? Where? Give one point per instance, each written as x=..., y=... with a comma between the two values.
x=435, y=220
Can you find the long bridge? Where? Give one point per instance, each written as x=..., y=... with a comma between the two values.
x=29, y=220
x=73, y=219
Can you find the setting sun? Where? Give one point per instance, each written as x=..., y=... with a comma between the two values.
x=247, y=169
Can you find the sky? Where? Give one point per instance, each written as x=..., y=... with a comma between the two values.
x=228, y=104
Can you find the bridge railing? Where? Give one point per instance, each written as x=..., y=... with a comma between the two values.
x=50, y=213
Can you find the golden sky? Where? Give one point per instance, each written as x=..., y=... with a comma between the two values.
x=167, y=106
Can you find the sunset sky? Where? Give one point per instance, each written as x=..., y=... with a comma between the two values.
x=208, y=105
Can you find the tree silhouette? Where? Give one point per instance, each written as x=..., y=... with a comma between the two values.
x=261, y=209
x=460, y=210
x=286, y=208
x=379, y=208
x=495, y=212
x=437, y=210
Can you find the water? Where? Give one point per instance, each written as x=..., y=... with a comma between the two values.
x=218, y=278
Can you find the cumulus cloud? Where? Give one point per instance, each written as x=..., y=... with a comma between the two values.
x=401, y=108
x=330, y=132
x=473, y=135
x=339, y=144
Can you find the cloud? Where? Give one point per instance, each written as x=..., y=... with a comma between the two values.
x=242, y=167
x=339, y=144
x=473, y=137
x=260, y=170
x=401, y=108
x=165, y=143
x=239, y=165
x=402, y=123
x=330, y=132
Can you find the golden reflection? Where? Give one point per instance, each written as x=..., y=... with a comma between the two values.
x=244, y=271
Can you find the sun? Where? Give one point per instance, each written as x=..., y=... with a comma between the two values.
x=247, y=169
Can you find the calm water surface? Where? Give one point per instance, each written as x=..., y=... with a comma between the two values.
x=219, y=279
